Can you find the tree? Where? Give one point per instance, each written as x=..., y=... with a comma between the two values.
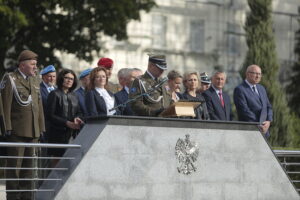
x=262, y=51
x=293, y=88
x=72, y=26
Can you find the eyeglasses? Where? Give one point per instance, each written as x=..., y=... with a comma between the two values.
x=69, y=78
x=255, y=73
x=193, y=79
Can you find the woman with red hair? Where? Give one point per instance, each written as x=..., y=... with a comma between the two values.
x=98, y=100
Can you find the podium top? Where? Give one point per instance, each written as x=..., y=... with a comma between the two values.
x=181, y=109
x=195, y=104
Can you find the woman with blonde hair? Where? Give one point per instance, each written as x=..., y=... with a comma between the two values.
x=98, y=100
x=192, y=84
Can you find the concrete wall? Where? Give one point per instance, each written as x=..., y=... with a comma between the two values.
x=135, y=159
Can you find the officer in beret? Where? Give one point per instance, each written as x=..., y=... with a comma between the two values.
x=84, y=78
x=24, y=121
x=108, y=64
x=154, y=103
x=47, y=84
x=205, y=82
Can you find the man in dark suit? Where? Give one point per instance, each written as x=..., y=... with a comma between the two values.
x=251, y=100
x=218, y=101
x=125, y=76
x=80, y=92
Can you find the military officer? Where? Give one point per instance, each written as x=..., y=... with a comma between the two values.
x=84, y=78
x=24, y=120
x=154, y=103
x=48, y=83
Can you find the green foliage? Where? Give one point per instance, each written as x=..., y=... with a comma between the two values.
x=72, y=26
x=262, y=51
x=294, y=91
x=293, y=88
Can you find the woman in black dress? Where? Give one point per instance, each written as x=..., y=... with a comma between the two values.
x=191, y=83
x=63, y=111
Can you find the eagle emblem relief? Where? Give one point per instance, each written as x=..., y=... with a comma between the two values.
x=187, y=153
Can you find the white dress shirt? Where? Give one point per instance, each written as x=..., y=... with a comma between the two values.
x=109, y=100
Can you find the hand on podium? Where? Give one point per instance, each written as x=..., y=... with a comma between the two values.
x=159, y=111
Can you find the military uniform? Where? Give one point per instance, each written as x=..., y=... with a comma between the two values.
x=24, y=119
x=112, y=87
x=149, y=105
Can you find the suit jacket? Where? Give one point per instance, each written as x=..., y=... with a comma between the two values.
x=80, y=92
x=122, y=97
x=23, y=121
x=214, y=106
x=201, y=111
x=250, y=106
x=44, y=94
x=95, y=103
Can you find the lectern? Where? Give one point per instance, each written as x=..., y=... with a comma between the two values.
x=181, y=109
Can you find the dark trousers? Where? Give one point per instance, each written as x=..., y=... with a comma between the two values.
x=19, y=173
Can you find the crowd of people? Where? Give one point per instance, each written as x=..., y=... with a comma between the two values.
x=55, y=108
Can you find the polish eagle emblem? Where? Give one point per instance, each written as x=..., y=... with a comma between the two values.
x=186, y=153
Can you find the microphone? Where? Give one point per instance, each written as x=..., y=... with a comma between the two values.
x=159, y=84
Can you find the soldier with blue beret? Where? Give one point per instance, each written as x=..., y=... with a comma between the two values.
x=80, y=92
x=48, y=69
x=48, y=83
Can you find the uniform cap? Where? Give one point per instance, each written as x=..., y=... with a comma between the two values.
x=84, y=73
x=204, y=78
x=48, y=69
x=27, y=55
x=159, y=61
x=105, y=62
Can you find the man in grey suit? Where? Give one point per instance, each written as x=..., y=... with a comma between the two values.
x=251, y=100
x=217, y=101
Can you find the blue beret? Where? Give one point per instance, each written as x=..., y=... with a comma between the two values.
x=84, y=73
x=48, y=69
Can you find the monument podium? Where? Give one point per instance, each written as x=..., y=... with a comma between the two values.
x=162, y=158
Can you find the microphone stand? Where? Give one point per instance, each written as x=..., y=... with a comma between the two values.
x=123, y=105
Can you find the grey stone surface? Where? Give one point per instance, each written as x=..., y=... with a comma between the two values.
x=139, y=162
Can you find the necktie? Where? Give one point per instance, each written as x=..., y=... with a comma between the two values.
x=221, y=99
x=254, y=90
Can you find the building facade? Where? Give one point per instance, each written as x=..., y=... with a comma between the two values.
x=198, y=35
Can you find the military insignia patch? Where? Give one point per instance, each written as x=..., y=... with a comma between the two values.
x=133, y=90
x=187, y=153
x=2, y=84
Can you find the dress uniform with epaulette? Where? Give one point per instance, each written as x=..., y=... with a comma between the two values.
x=153, y=103
x=24, y=121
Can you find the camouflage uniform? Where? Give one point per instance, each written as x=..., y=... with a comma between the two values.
x=149, y=105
